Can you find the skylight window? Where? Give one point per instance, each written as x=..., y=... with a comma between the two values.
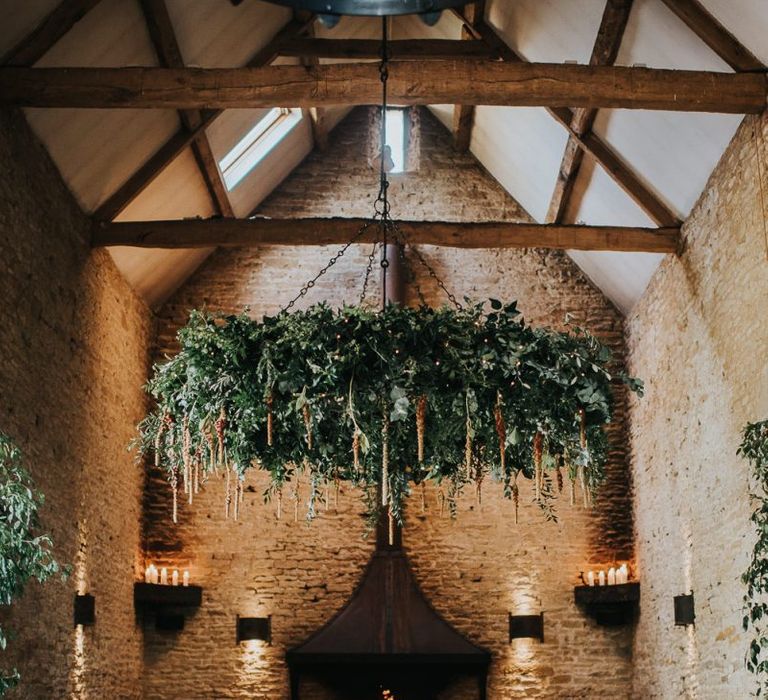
x=257, y=143
x=395, y=138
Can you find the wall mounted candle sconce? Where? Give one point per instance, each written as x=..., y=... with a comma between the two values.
x=85, y=609
x=685, y=613
x=526, y=626
x=254, y=628
x=168, y=605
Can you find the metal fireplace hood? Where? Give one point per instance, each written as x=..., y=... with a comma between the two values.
x=388, y=631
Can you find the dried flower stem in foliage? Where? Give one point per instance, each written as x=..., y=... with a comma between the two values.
x=385, y=461
x=421, y=416
x=307, y=424
x=220, y=425
x=501, y=431
x=228, y=496
x=538, y=451
x=516, y=498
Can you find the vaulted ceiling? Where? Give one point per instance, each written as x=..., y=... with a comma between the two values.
x=642, y=168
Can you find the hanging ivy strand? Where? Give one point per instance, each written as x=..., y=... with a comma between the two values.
x=384, y=400
x=754, y=447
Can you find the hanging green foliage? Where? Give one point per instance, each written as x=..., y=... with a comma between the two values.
x=754, y=447
x=24, y=555
x=383, y=400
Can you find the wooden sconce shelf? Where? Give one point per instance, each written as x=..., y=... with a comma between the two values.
x=609, y=605
x=168, y=604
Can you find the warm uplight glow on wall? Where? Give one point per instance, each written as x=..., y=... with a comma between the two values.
x=80, y=568
x=77, y=685
x=523, y=650
x=691, y=680
x=254, y=656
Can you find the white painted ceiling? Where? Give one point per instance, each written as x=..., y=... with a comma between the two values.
x=673, y=153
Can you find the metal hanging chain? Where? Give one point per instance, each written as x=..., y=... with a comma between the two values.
x=331, y=262
x=410, y=274
x=368, y=270
x=449, y=295
x=381, y=219
x=382, y=202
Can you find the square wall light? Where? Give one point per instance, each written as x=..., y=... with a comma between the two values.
x=254, y=628
x=685, y=612
x=526, y=627
x=85, y=609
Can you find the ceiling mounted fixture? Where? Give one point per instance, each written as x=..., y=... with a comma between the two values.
x=371, y=8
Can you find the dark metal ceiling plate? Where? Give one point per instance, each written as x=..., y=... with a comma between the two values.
x=371, y=7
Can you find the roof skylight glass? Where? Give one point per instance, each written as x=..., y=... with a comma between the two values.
x=257, y=143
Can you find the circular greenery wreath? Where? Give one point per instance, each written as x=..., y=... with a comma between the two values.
x=384, y=400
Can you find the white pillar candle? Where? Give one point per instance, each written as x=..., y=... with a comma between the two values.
x=175, y=577
x=185, y=578
x=601, y=578
x=611, y=576
x=153, y=575
x=590, y=578
x=622, y=575
x=148, y=574
x=164, y=576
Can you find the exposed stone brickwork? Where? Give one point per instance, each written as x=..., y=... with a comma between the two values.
x=475, y=570
x=74, y=341
x=699, y=336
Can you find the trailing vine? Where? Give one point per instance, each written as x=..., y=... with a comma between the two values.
x=754, y=447
x=24, y=555
x=385, y=400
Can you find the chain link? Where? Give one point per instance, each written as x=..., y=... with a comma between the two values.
x=368, y=270
x=449, y=295
x=331, y=262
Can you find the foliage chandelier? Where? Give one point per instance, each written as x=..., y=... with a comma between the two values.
x=382, y=399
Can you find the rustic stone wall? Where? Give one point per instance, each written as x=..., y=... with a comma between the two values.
x=699, y=337
x=74, y=340
x=474, y=570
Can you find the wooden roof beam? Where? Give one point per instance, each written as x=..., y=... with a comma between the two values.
x=172, y=148
x=621, y=173
x=54, y=26
x=715, y=35
x=604, y=52
x=464, y=115
x=201, y=233
x=399, y=49
x=166, y=45
x=410, y=83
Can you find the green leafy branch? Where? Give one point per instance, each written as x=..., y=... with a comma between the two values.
x=754, y=447
x=24, y=555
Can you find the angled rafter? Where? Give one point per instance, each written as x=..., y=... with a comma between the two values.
x=464, y=115
x=603, y=154
x=169, y=54
x=200, y=233
x=317, y=116
x=715, y=35
x=605, y=50
x=411, y=83
x=55, y=25
x=399, y=50
x=170, y=150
